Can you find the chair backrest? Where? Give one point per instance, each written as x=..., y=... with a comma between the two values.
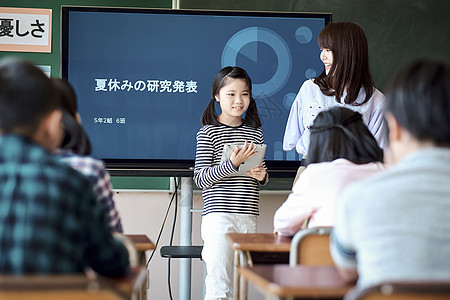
x=311, y=247
x=402, y=291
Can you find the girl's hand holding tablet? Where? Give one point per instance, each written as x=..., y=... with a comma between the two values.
x=259, y=173
x=240, y=155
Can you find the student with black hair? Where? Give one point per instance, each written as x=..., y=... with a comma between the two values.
x=50, y=222
x=395, y=225
x=342, y=150
x=75, y=150
x=231, y=202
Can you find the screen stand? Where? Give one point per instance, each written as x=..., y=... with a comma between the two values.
x=185, y=236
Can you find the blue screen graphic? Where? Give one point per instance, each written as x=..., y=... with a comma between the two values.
x=144, y=79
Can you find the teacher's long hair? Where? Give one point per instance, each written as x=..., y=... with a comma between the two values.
x=350, y=70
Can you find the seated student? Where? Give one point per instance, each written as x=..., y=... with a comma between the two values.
x=76, y=147
x=342, y=150
x=395, y=225
x=49, y=219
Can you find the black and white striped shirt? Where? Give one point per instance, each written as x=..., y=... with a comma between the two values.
x=221, y=193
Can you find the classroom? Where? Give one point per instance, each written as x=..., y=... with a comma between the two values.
x=398, y=32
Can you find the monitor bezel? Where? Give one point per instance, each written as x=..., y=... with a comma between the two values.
x=175, y=167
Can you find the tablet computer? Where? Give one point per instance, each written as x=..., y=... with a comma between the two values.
x=252, y=162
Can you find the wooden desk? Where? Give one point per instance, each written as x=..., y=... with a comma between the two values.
x=142, y=244
x=283, y=281
x=67, y=287
x=244, y=244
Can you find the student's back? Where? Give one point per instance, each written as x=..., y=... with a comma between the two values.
x=400, y=224
x=49, y=220
x=395, y=225
x=342, y=151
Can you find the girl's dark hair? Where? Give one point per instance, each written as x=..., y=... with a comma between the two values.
x=340, y=133
x=209, y=116
x=350, y=69
x=419, y=98
x=75, y=138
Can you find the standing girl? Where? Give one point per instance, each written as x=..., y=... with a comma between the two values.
x=346, y=81
x=230, y=202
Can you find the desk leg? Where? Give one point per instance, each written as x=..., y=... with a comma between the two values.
x=143, y=262
x=236, y=281
x=243, y=289
x=246, y=261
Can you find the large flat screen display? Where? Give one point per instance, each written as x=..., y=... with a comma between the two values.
x=143, y=78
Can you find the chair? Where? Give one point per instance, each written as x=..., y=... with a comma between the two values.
x=181, y=251
x=311, y=247
x=184, y=252
x=402, y=291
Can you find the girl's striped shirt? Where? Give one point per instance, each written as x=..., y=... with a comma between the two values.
x=221, y=192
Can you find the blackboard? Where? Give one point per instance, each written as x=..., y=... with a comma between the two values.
x=53, y=60
x=398, y=31
x=141, y=183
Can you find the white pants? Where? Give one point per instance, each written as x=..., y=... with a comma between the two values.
x=217, y=252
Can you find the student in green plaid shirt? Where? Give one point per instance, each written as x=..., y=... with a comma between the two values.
x=49, y=219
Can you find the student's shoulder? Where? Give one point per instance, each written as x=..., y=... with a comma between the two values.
x=210, y=129
x=309, y=85
x=67, y=175
x=43, y=167
x=370, y=188
x=377, y=97
x=322, y=170
x=309, y=88
x=245, y=126
x=83, y=163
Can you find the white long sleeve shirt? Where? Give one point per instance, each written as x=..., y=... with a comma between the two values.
x=310, y=101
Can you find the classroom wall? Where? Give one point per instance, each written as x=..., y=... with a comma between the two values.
x=398, y=31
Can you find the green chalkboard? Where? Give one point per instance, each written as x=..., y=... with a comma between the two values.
x=141, y=183
x=398, y=31
x=53, y=59
x=275, y=184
